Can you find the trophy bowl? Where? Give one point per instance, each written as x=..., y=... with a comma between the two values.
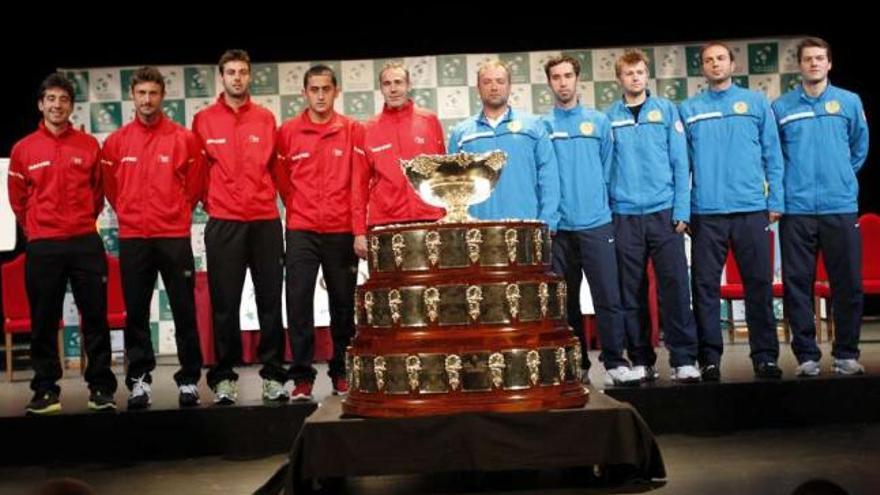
x=455, y=181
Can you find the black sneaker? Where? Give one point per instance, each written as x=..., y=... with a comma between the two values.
x=768, y=371
x=44, y=402
x=189, y=395
x=710, y=373
x=101, y=401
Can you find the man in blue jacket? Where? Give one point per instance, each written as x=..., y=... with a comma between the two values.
x=650, y=198
x=529, y=184
x=737, y=193
x=584, y=242
x=825, y=142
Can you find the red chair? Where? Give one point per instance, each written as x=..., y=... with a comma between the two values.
x=203, y=318
x=116, y=312
x=822, y=290
x=870, y=231
x=734, y=290
x=17, y=310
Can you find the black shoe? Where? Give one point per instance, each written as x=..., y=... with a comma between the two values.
x=101, y=401
x=768, y=371
x=44, y=402
x=710, y=373
x=189, y=395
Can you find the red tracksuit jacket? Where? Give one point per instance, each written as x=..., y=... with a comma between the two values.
x=381, y=192
x=153, y=177
x=240, y=157
x=55, y=184
x=315, y=170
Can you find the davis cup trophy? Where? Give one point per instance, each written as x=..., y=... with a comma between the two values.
x=461, y=315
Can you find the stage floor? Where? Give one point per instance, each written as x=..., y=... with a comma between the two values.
x=760, y=460
x=735, y=368
x=766, y=461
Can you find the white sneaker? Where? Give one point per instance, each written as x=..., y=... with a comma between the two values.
x=847, y=367
x=140, y=394
x=226, y=392
x=645, y=373
x=686, y=374
x=622, y=376
x=274, y=391
x=808, y=368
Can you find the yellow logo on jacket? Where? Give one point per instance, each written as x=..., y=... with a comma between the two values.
x=514, y=126
x=832, y=106
x=587, y=128
x=655, y=116
x=740, y=107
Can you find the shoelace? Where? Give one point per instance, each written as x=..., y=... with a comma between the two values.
x=140, y=387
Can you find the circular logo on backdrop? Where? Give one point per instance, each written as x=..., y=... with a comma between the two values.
x=587, y=128
x=655, y=116
x=514, y=126
x=832, y=106
x=740, y=107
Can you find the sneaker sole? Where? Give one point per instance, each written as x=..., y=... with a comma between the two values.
x=53, y=409
x=301, y=397
x=840, y=371
x=102, y=407
x=224, y=401
x=278, y=398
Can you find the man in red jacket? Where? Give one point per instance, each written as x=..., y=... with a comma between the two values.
x=153, y=178
x=315, y=156
x=244, y=230
x=55, y=191
x=381, y=193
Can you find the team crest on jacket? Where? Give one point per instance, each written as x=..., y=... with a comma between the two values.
x=164, y=159
x=337, y=152
x=76, y=160
x=740, y=107
x=514, y=126
x=420, y=140
x=832, y=106
x=679, y=127
x=587, y=128
x=655, y=116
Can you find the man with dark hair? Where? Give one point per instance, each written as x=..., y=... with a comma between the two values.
x=316, y=155
x=737, y=193
x=382, y=194
x=825, y=143
x=153, y=175
x=244, y=230
x=55, y=191
x=582, y=143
